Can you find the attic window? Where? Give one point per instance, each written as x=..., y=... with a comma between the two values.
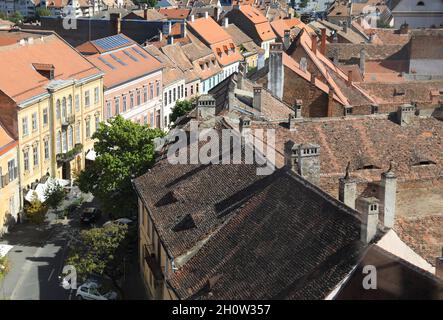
x=185, y=223
x=420, y=3
x=399, y=92
x=46, y=70
x=423, y=163
x=168, y=198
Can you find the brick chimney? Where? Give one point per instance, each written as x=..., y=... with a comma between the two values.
x=276, y=70
x=286, y=38
x=347, y=189
x=404, y=28
x=405, y=114
x=314, y=43
x=323, y=41
x=145, y=13
x=256, y=100
x=349, y=80
x=115, y=19
x=369, y=209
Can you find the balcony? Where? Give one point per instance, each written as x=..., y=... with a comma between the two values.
x=68, y=120
x=70, y=155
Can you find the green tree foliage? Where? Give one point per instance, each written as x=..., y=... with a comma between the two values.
x=100, y=251
x=4, y=267
x=181, y=108
x=150, y=3
x=16, y=17
x=43, y=12
x=36, y=210
x=125, y=150
x=54, y=195
x=303, y=3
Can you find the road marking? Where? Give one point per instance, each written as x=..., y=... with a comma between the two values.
x=50, y=275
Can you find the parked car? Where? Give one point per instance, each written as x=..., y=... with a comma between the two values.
x=122, y=221
x=92, y=290
x=90, y=215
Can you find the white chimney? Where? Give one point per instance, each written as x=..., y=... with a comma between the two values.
x=368, y=208
x=439, y=266
x=388, y=196
x=192, y=18
x=22, y=42
x=206, y=15
x=226, y=22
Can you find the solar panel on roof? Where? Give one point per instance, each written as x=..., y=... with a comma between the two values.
x=139, y=52
x=130, y=55
x=118, y=60
x=106, y=63
x=113, y=42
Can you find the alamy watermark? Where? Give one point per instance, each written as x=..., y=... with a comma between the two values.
x=225, y=147
x=69, y=277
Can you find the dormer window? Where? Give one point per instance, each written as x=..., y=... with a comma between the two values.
x=420, y=3
x=368, y=167
x=46, y=70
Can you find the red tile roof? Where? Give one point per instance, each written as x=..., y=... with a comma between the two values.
x=209, y=30
x=6, y=141
x=175, y=13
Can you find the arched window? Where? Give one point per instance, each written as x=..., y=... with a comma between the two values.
x=70, y=138
x=70, y=104
x=57, y=109
x=64, y=108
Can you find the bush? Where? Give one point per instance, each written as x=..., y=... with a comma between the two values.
x=36, y=210
x=54, y=195
x=4, y=267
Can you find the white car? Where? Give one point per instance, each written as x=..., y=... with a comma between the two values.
x=95, y=291
x=121, y=221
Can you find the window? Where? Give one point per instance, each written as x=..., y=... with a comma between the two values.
x=12, y=170
x=46, y=149
x=374, y=109
x=96, y=95
x=58, y=142
x=35, y=155
x=34, y=121
x=64, y=109
x=108, y=109
x=87, y=101
x=166, y=121
x=175, y=96
x=157, y=84
x=70, y=105
x=88, y=128
x=124, y=103
x=26, y=159
x=186, y=92
x=170, y=96
x=192, y=90
x=196, y=88
x=117, y=105
x=166, y=98
x=70, y=138
x=45, y=116
x=57, y=109
x=65, y=141
x=145, y=119
x=348, y=111
x=139, y=98
x=131, y=100
x=145, y=94
x=151, y=120
x=25, y=125
x=97, y=122
x=77, y=103
x=77, y=133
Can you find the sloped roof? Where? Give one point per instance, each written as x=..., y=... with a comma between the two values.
x=175, y=13
x=20, y=81
x=209, y=30
x=7, y=142
x=171, y=73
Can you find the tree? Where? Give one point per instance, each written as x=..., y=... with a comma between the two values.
x=100, y=251
x=181, y=108
x=43, y=12
x=150, y=3
x=36, y=210
x=125, y=150
x=16, y=17
x=54, y=195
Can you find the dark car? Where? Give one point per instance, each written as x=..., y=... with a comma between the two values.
x=90, y=215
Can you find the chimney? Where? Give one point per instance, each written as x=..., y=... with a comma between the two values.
x=296, y=116
x=276, y=71
x=191, y=17
x=245, y=123
x=368, y=208
x=305, y=160
x=286, y=39
x=330, y=101
x=256, y=100
x=171, y=39
x=323, y=41
x=313, y=77
x=298, y=108
x=345, y=26
x=169, y=27
x=439, y=266
x=314, y=43
x=349, y=80
x=145, y=13
x=116, y=22
x=388, y=196
x=217, y=13
x=226, y=22
x=347, y=189
x=405, y=114
x=241, y=74
x=236, y=7
x=206, y=106
x=183, y=29
x=160, y=36
x=362, y=61
x=206, y=15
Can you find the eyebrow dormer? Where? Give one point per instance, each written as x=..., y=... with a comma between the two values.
x=46, y=70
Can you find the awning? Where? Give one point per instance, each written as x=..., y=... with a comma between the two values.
x=41, y=188
x=90, y=155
